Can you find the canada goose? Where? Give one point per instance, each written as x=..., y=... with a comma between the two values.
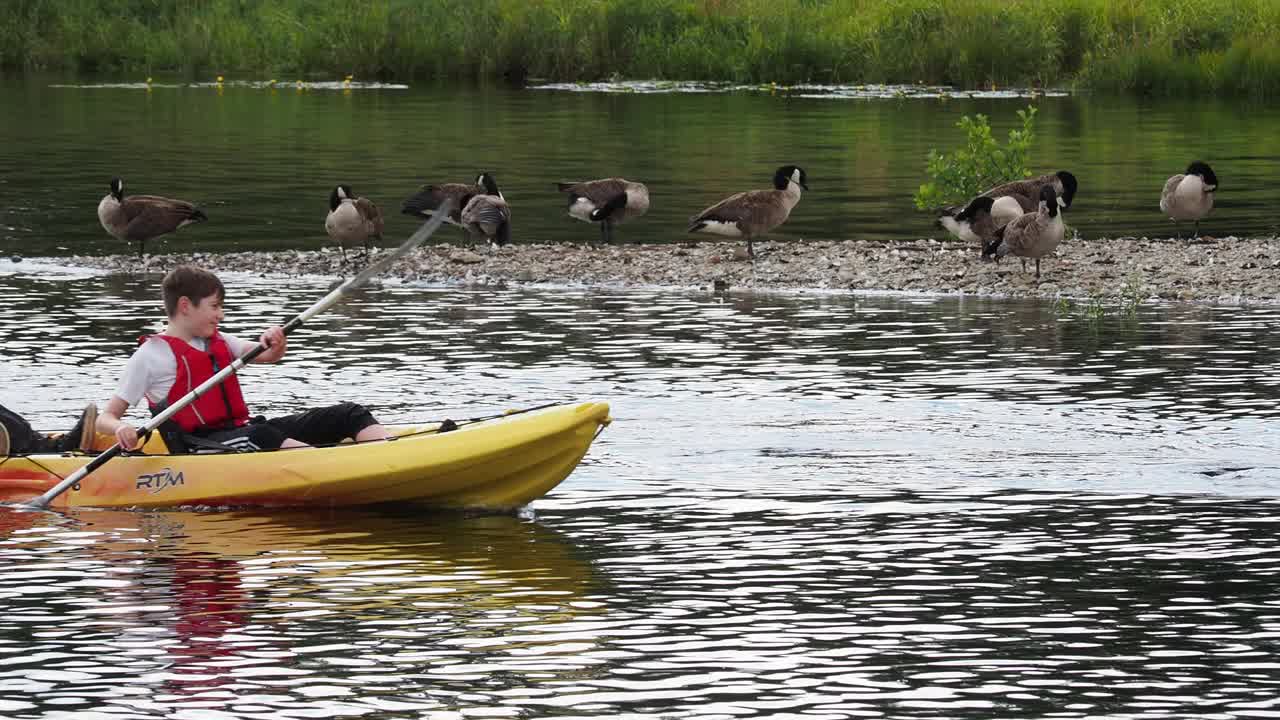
x=974, y=223
x=487, y=213
x=1013, y=199
x=1032, y=235
x=754, y=212
x=1189, y=196
x=424, y=202
x=609, y=201
x=138, y=218
x=352, y=219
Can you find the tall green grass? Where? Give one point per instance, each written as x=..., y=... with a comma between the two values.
x=1134, y=46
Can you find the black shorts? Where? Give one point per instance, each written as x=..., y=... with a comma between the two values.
x=319, y=426
x=24, y=440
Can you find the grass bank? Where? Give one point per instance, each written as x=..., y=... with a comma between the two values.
x=1137, y=46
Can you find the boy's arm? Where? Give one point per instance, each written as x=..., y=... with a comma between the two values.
x=110, y=422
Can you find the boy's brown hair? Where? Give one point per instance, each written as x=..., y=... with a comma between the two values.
x=190, y=282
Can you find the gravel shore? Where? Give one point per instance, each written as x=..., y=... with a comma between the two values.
x=1232, y=270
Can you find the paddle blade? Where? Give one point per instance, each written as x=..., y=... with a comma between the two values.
x=377, y=268
x=417, y=238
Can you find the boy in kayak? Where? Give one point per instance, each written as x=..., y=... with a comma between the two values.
x=167, y=366
x=17, y=437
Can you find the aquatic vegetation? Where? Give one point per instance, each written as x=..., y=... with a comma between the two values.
x=1132, y=294
x=1153, y=47
x=980, y=164
x=1096, y=307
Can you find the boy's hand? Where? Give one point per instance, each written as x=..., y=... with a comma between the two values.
x=127, y=436
x=276, y=344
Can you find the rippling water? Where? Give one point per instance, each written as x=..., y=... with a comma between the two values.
x=809, y=506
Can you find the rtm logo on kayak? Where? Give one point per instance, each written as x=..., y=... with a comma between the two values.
x=157, y=481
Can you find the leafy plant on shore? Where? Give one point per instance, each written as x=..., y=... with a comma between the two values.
x=979, y=164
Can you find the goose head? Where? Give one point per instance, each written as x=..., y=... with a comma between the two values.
x=1049, y=201
x=977, y=207
x=117, y=189
x=788, y=174
x=1069, y=186
x=1206, y=174
x=490, y=185
x=340, y=193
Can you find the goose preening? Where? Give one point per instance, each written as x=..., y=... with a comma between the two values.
x=1031, y=235
x=1013, y=199
x=352, y=220
x=429, y=197
x=754, y=212
x=487, y=213
x=1189, y=196
x=975, y=223
x=138, y=218
x=609, y=202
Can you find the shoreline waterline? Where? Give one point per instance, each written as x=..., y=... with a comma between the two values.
x=1223, y=270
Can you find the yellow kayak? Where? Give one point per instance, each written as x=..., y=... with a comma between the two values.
x=495, y=464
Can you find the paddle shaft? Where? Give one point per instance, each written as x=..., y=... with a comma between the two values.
x=336, y=295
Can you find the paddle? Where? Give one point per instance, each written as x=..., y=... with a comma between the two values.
x=326, y=302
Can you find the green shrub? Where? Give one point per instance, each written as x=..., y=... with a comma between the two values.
x=1155, y=47
x=980, y=164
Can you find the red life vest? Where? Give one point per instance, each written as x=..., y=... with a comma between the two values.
x=220, y=408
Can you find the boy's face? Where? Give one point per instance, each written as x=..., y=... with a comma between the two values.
x=202, y=318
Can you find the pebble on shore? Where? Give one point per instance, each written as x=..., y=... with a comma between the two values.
x=1232, y=270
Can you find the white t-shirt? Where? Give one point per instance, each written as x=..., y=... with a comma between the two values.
x=152, y=369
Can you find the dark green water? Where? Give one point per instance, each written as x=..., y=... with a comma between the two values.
x=262, y=161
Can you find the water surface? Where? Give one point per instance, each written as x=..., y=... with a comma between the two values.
x=809, y=506
x=262, y=160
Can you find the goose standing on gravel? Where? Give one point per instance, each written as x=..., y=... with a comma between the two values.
x=1032, y=235
x=1014, y=199
x=609, y=202
x=754, y=212
x=1189, y=196
x=487, y=213
x=352, y=219
x=139, y=218
x=429, y=197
